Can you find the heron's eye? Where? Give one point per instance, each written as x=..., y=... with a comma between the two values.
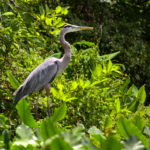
x=66, y=26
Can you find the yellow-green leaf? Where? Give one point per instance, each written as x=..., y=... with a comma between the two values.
x=58, y=9
x=142, y=94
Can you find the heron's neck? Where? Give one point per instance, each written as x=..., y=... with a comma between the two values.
x=65, y=45
x=67, y=55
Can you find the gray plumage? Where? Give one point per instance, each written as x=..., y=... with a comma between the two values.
x=44, y=74
x=39, y=78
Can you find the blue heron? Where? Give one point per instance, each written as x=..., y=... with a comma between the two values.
x=42, y=76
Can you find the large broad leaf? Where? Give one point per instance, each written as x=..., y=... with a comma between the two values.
x=26, y=136
x=25, y=114
x=57, y=143
x=132, y=143
x=139, y=122
x=74, y=136
x=127, y=128
x=96, y=134
x=59, y=113
x=112, y=143
x=77, y=139
x=48, y=129
x=141, y=97
x=13, y=81
x=147, y=130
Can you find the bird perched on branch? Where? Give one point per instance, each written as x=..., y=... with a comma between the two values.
x=42, y=76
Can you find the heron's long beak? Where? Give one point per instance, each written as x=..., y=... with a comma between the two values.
x=85, y=28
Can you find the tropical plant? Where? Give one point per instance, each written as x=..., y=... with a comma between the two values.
x=47, y=134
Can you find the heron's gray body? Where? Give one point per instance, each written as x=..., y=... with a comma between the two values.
x=44, y=74
x=39, y=78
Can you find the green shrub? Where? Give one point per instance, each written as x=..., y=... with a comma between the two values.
x=125, y=28
x=48, y=135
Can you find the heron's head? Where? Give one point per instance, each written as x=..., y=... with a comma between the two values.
x=73, y=28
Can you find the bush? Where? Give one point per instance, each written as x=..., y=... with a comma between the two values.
x=94, y=105
x=28, y=36
x=125, y=28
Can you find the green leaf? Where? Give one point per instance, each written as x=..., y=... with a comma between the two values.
x=112, y=143
x=64, y=10
x=28, y=18
x=74, y=85
x=56, y=55
x=59, y=113
x=97, y=134
x=147, y=131
x=77, y=139
x=142, y=94
x=3, y=120
x=48, y=129
x=109, y=66
x=26, y=136
x=109, y=56
x=132, y=90
x=8, y=14
x=139, y=122
x=57, y=143
x=108, y=122
x=113, y=55
x=58, y=9
x=25, y=132
x=14, y=83
x=133, y=105
x=75, y=135
x=126, y=128
x=83, y=42
x=132, y=143
x=125, y=85
x=25, y=114
x=54, y=92
x=48, y=21
x=117, y=105
x=96, y=73
x=42, y=11
x=6, y=138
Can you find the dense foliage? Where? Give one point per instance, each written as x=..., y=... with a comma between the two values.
x=125, y=28
x=94, y=103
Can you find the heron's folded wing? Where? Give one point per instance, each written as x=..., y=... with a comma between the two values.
x=38, y=78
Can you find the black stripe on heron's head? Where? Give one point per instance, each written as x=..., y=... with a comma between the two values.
x=67, y=26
